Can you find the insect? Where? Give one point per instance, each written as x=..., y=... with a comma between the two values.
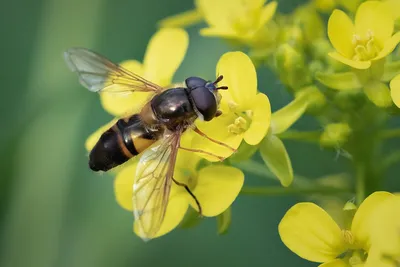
x=154, y=132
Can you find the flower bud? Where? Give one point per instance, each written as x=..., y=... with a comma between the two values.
x=335, y=134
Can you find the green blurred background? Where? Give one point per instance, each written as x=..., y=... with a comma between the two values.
x=53, y=210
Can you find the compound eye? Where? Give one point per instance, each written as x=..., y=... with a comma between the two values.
x=195, y=82
x=205, y=102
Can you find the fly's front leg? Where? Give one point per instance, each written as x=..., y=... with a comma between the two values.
x=197, y=130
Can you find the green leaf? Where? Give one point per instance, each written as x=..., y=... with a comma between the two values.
x=275, y=156
x=191, y=219
x=339, y=81
x=244, y=152
x=224, y=221
x=378, y=93
x=391, y=70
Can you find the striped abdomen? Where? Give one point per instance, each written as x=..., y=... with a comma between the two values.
x=128, y=137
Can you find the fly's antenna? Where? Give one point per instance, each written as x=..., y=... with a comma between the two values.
x=220, y=77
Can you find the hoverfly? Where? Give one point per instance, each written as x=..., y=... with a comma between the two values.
x=154, y=132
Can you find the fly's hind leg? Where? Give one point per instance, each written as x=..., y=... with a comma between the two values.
x=197, y=130
x=191, y=194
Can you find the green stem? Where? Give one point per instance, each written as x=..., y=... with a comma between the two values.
x=311, y=136
x=360, y=183
x=255, y=168
x=260, y=170
x=365, y=147
x=283, y=191
x=391, y=133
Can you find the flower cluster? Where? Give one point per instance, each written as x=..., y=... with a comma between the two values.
x=373, y=232
x=344, y=71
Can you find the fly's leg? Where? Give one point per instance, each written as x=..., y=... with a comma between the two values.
x=204, y=152
x=191, y=194
x=197, y=130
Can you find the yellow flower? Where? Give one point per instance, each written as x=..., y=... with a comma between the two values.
x=245, y=112
x=307, y=230
x=215, y=186
x=163, y=56
x=236, y=20
x=367, y=40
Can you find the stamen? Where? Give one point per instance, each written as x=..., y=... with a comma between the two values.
x=356, y=39
x=365, y=48
x=348, y=237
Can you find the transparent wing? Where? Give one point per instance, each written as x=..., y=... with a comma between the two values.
x=99, y=74
x=152, y=185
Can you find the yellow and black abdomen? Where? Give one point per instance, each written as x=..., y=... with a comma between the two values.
x=127, y=138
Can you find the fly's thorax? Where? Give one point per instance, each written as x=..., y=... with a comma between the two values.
x=173, y=108
x=147, y=115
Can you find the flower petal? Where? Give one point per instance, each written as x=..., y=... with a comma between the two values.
x=334, y=263
x=185, y=166
x=254, y=4
x=240, y=77
x=164, y=54
x=385, y=227
x=375, y=17
x=260, y=120
x=377, y=258
x=311, y=233
x=217, y=12
x=378, y=93
x=389, y=46
x=94, y=137
x=267, y=13
x=349, y=62
x=361, y=221
x=226, y=33
x=395, y=90
x=177, y=207
x=394, y=6
x=123, y=186
x=119, y=104
x=218, y=130
x=340, y=32
x=217, y=187
x=184, y=19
